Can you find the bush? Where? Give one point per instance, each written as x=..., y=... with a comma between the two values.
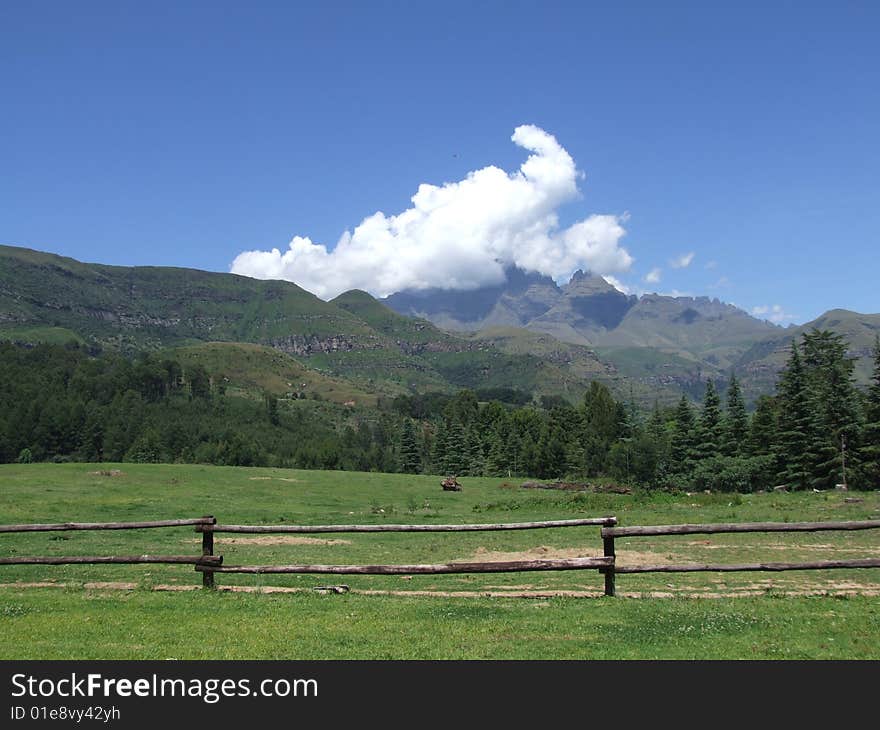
x=733, y=474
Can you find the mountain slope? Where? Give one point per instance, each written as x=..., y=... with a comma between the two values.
x=355, y=337
x=155, y=306
x=762, y=362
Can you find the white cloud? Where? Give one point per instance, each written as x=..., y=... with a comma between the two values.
x=460, y=235
x=683, y=261
x=773, y=313
x=711, y=264
x=653, y=276
x=617, y=284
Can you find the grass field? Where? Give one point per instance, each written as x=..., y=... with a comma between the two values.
x=150, y=611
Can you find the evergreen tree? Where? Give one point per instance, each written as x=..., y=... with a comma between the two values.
x=682, y=447
x=736, y=422
x=410, y=460
x=870, y=450
x=474, y=461
x=710, y=432
x=602, y=426
x=496, y=458
x=795, y=423
x=455, y=459
x=833, y=447
x=439, y=448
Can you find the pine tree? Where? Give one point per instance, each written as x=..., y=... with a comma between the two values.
x=410, y=459
x=439, y=448
x=736, y=422
x=455, y=460
x=496, y=459
x=710, y=428
x=833, y=447
x=870, y=450
x=474, y=461
x=682, y=447
x=795, y=423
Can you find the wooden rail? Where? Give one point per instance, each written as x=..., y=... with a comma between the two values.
x=63, y=526
x=264, y=529
x=610, y=533
x=747, y=567
x=509, y=566
x=738, y=527
x=206, y=559
x=114, y=559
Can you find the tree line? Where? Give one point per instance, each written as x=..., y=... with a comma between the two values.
x=816, y=431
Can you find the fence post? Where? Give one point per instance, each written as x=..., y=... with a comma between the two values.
x=608, y=550
x=208, y=549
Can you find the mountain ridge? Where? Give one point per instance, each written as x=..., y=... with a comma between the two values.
x=643, y=347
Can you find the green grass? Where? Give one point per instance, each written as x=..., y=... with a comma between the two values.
x=753, y=616
x=60, y=624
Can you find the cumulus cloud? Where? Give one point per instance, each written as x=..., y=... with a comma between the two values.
x=653, y=276
x=774, y=313
x=460, y=235
x=683, y=261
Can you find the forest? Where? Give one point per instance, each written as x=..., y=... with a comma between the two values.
x=817, y=431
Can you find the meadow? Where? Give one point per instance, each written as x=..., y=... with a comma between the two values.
x=158, y=612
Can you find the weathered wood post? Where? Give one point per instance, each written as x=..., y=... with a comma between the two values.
x=608, y=551
x=208, y=549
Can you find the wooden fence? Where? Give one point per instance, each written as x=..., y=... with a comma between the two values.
x=208, y=564
x=205, y=559
x=208, y=531
x=610, y=533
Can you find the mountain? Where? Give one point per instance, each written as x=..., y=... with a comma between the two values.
x=375, y=350
x=762, y=362
x=520, y=298
x=587, y=309
x=661, y=340
x=149, y=306
x=526, y=333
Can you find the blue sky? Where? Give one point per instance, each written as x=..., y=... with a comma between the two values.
x=187, y=133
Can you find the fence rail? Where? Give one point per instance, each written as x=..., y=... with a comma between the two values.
x=644, y=531
x=64, y=526
x=314, y=529
x=509, y=566
x=206, y=559
x=208, y=564
x=114, y=559
x=610, y=533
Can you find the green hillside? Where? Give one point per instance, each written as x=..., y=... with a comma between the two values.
x=761, y=363
x=353, y=348
x=255, y=369
x=138, y=307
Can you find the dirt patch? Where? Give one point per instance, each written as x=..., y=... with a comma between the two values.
x=38, y=584
x=542, y=552
x=277, y=479
x=111, y=585
x=108, y=473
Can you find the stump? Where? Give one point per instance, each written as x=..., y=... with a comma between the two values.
x=450, y=484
